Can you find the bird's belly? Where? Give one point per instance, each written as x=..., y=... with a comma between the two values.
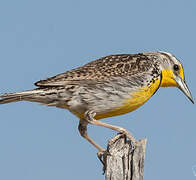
x=134, y=100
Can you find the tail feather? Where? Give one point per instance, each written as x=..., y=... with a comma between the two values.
x=19, y=96
x=7, y=98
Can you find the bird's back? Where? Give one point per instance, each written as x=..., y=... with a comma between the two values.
x=122, y=65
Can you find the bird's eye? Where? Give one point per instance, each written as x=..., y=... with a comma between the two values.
x=176, y=67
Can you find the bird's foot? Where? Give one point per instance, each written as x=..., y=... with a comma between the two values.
x=102, y=157
x=130, y=137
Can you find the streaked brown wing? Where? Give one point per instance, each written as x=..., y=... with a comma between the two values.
x=102, y=69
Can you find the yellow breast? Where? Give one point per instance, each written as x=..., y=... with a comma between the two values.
x=136, y=99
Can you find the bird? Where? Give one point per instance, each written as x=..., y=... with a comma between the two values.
x=109, y=86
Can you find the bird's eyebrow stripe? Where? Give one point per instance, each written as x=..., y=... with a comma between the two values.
x=165, y=54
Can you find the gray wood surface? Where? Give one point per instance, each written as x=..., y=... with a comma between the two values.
x=122, y=162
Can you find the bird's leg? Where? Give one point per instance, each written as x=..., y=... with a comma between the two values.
x=89, y=117
x=82, y=127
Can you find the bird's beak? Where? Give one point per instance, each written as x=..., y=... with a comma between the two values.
x=183, y=87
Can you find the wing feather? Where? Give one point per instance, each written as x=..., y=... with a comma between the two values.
x=122, y=65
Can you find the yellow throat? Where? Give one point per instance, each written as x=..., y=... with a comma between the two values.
x=168, y=77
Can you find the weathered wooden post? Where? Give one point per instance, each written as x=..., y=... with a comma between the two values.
x=122, y=162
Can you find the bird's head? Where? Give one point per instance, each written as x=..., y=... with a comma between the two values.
x=173, y=74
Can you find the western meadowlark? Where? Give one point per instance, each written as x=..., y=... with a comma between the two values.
x=110, y=86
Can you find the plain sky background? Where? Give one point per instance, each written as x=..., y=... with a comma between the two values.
x=41, y=38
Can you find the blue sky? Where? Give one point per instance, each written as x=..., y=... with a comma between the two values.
x=39, y=39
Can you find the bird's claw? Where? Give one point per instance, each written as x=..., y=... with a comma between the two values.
x=102, y=157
